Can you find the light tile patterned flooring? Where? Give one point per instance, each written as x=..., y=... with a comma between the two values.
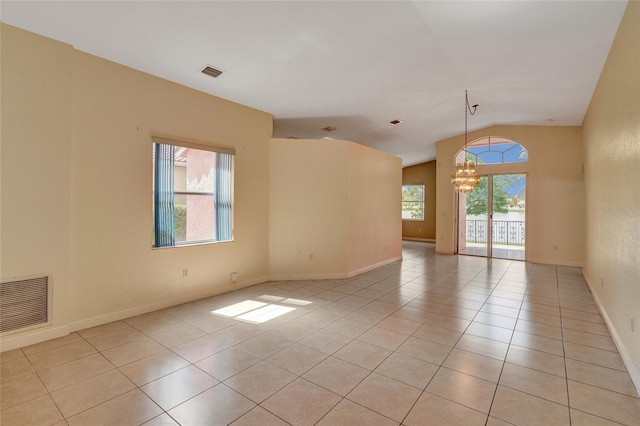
x=500, y=252
x=433, y=339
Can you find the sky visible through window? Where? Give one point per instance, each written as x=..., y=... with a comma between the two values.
x=497, y=150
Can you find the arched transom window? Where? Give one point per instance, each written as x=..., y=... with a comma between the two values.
x=493, y=150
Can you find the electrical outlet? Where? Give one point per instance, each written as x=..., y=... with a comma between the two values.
x=632, y=324
x=310, y=256
x=185, y=273
x=233, y=277
x=602, y=282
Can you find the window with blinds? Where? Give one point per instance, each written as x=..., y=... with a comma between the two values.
x=192, y=193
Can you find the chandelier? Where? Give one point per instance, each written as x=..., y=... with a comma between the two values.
x=465, y=176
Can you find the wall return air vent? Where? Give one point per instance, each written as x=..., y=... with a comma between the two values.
x=24, y=303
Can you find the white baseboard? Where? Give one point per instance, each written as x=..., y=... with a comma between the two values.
x=31, y=337
x=368, y=268
x=311, y=276
x=139, y=310
x=332, y=275
x=556, y=262
x=424, y=240
x=444, y=252
x=624, y=354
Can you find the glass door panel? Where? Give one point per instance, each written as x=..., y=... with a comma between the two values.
x=508, y=216
x=473, y=220
x=491, y=218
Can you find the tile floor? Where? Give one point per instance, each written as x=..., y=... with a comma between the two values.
x=433, y=339
x=500, y=252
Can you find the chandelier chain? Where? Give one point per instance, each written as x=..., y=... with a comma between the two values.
x=465, y=176
x=468, y=108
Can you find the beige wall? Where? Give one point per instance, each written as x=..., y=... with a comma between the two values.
x=422, y=174
x=555, y=190
x=308, y=207
x=330, y=215
x=76, y=183
x=35, y=161
x=612, y=158
x=375, y=208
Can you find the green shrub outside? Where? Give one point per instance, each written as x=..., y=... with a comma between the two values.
x=180, y=222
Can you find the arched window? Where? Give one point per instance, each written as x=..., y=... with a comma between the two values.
x=493, y=150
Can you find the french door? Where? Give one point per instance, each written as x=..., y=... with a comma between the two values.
x=492, y=218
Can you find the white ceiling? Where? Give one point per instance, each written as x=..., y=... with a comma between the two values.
x=357, y=65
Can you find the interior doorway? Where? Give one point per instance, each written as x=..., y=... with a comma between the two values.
x=492, y=218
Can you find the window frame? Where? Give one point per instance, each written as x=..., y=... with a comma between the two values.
x=422, y=209
x=476, y=150
x=225, y=175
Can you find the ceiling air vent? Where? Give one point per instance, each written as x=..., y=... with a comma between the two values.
x=395, y=122
x=211, y=71
x=328, y=129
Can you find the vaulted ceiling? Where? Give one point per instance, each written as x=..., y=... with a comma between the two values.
x=356, y=66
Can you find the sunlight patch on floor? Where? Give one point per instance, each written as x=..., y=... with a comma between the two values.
x=259, y=312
